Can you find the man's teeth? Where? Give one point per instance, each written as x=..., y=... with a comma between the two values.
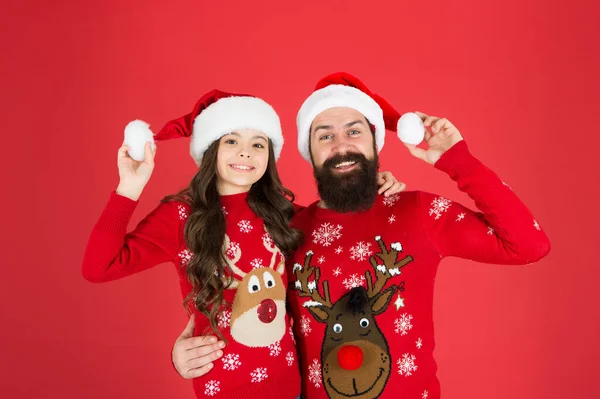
x=347, y=163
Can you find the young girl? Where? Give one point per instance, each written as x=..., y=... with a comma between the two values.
x=227, y=235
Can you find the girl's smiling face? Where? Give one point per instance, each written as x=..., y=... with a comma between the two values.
x=242, y=160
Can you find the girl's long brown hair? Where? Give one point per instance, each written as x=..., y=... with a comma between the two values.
x=205, y=229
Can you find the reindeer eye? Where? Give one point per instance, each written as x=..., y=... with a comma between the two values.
x=364, y=322
x=269, y=280
x=253, y=284
x=337, y=328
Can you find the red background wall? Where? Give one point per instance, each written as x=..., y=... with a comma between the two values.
x=517, y=77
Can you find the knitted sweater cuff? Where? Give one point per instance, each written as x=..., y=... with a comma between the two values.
x=116, y=214
x=457, y=161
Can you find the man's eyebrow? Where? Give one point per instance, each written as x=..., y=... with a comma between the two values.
x=326, y=127
x=347, y=125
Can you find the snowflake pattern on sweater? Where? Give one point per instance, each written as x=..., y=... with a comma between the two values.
x=361, y=299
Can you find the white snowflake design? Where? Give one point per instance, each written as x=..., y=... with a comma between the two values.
x=259, y=374
x=337, y=272
x=305, y=325
x=182, y=212
x=185, y=256
x=212, y=388
x=406, y=365
x=326, y=234
x=439, y=206
x=291, y=331
x=267, y=239
x=245, y=226
x=490, y=231
x=256, y=263
x=339, y=250
x=460, y=216
x=224, y=318
x=290, y=358
x=536, y=225
x=233, y=248
x=360, y=251
x=224, y=210
x=314, y=373
x=391, y=219
x=419, y=343
x=321, y=259
x=391, y=200
x=231, y=361
x=425, y=395
x=353, y=281
x=275, y=349
x=403, y=324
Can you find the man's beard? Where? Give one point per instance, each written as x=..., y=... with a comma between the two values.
x=348, y=191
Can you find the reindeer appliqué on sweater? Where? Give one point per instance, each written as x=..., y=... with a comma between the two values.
x=258, y=309
x=355, y=358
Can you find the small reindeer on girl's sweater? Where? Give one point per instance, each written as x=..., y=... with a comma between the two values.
x=258, y=309
x=355, y=356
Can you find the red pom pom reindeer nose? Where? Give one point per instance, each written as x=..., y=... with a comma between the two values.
x=350, y=357
x=267, y=310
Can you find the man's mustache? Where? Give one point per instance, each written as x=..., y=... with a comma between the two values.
x=348, y=157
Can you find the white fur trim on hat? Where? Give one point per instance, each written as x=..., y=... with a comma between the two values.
x=334, y=96
x=233, y=113
x=137, y=134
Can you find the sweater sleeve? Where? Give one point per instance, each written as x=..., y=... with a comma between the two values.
x=112, y=253
x=503, y=232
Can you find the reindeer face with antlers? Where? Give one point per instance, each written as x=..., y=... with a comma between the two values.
x=355, y=357
x=258, y=310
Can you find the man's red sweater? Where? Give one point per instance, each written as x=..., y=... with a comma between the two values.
x=363, y=298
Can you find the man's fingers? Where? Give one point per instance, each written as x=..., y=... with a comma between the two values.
x=417, y=152
x=430, y=120
x=440, y=124
x=202, y=350
x=396, y=188
x=421, y=115
x=428, y=135
x=385, y=186
x=198, y=342
x=197, y=372
x=203, y=360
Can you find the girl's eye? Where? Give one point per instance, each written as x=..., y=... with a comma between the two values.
x=258, y=145
x=230, y=141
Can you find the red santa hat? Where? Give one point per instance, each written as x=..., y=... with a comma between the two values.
x=344, y=90
x=216, y=114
